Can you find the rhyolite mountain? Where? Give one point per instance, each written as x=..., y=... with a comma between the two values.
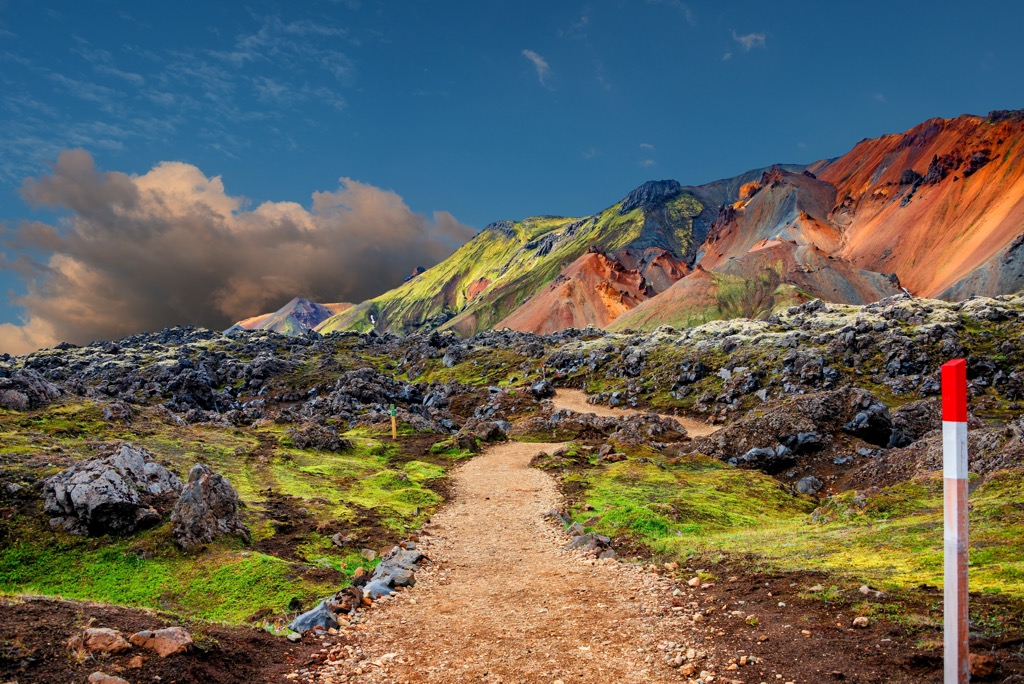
x=937, y=211
x=294, y=318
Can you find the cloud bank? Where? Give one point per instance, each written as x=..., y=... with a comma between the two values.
x=173, y=247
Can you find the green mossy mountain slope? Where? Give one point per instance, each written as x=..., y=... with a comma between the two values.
x=507, y=262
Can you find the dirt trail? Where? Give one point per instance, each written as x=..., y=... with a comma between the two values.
x=501, y=602
x=576, y=400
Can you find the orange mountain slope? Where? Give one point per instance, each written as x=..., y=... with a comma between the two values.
x=937, y=205
x=595, y=290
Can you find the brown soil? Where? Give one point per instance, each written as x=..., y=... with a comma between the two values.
x=576, y=400
x=501, y=601
x=33, y=633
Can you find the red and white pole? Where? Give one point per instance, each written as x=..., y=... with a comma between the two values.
x=954, y=466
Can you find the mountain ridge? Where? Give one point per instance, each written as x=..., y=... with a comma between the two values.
x=937, y=210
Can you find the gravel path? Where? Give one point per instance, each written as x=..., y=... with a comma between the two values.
x=576, y=400
x=500, y=601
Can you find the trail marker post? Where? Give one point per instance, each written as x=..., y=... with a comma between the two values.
x=394, y=422
x=954, y=467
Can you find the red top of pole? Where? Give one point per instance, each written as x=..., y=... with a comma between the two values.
x=954, y=391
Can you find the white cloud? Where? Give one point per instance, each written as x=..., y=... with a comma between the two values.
x=173, y=247
x=750, y=41
x=647, y=163
x=646, y=146
x=540, y=65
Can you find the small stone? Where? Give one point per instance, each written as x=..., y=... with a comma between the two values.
x=816, y=588
x=693, y=582
x=861, y=622
x=805, y=632
x=981, y=665
x=136, y=662
x=104, y=678
x=864, y=589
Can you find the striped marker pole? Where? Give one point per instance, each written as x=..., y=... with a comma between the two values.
x=954, y=466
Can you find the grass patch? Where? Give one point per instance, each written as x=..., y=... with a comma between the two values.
x=696, y=507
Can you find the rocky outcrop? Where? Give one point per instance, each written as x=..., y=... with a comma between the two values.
x=207, y=509
x=319, y=437
x=114, y=495
x=26, y=389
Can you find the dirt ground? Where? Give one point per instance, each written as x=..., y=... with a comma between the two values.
x=33, y=633
x=576, y=400
x=500, y=600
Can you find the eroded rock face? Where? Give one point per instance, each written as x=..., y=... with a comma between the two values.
x=113, y=495
x=207, y=509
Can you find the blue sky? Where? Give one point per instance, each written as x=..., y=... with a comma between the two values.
x=486, y=110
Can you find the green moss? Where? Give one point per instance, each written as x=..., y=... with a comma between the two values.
x=225, y=585
x=695, y=507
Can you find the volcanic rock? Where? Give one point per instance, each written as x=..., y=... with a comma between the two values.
x=113, y=495
x=26, y=389
x=320, y=617
x=207, y=509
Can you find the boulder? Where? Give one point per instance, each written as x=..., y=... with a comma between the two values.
x=164, y=642
x=26, y=389
x=542, y=390
x=872, y=421
x=320, y=617
x=768, y=460
x=104, y=640
x=349, y=599
x=377, y=588
x=112, y=495
x=397, y=568
x=318, y=437
x=207, y=509
x=809, y=485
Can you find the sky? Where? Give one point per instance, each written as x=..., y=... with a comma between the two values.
x=198, y=162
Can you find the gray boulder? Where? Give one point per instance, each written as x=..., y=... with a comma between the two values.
x=809, y=485
x=112, y=495
x=542, y=390
x=26, y=389
x=377, y=588
x=207, y=509
x=397, y=569
x=320, y=617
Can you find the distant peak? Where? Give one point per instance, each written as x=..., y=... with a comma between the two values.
x=649, y=194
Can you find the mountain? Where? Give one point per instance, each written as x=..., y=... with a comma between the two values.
x=294, y=318
x=508, y=262
x=937, y=211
